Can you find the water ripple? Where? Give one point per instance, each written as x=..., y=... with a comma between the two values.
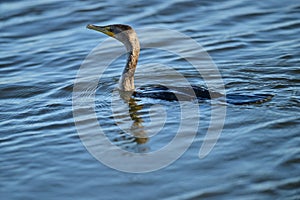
x=43, y=44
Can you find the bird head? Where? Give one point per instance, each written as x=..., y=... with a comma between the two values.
x=121, y=32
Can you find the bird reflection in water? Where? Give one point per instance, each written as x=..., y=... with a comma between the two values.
x=137, y=129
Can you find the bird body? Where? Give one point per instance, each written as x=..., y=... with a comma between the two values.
x=129, y=38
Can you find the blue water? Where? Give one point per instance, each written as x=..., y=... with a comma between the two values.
x=256, y=47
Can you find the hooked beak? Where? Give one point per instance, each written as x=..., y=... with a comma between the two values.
x=103, y=29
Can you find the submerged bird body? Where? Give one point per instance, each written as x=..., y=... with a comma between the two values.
x=128, y=37
x=199, y=93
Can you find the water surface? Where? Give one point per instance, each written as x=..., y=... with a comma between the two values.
x=256, y=47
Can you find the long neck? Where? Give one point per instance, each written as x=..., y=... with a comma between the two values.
x=126, y=82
